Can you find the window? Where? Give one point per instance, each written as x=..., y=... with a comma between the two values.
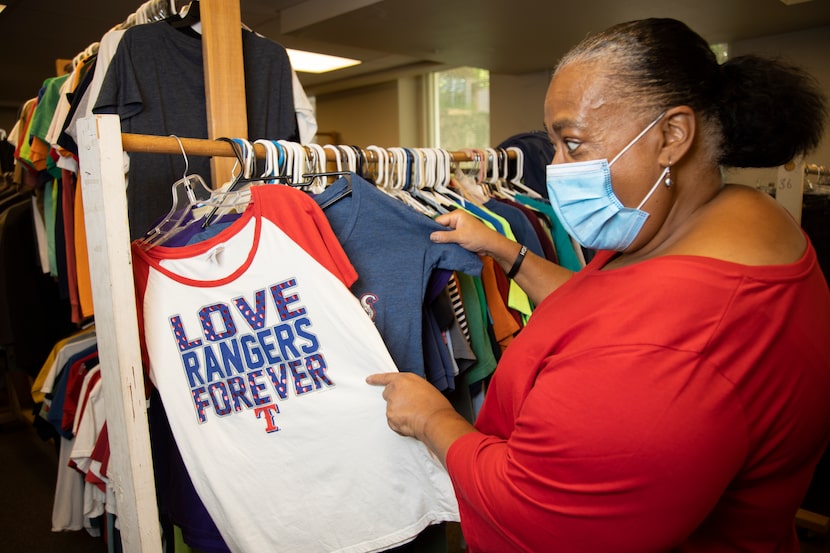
x=460, y=108
x=721, y=51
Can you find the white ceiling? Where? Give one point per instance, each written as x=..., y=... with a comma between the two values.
x=513, y=37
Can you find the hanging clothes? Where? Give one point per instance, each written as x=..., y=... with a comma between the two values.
x=254, y=338
x=565, y=251
x=538, y=153
x=394, y=272
x=155, y=83
x=33, y=315
x=38, y=152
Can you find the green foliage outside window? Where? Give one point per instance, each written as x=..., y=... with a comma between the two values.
x=462, y=108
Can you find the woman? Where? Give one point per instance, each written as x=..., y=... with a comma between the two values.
x=675, y=393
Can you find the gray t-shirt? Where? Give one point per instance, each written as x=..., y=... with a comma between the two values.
x=155, y=83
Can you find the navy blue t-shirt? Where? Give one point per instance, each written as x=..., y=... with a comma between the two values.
x=388, y=244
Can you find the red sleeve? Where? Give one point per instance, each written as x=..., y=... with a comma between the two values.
x=74, y=383
x=141, y=273
x=299, y=216
x=609, y=463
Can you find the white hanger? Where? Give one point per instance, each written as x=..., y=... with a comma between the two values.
x=272, y=168
x=338, y=161
x=380, y=174
x=422, y=181
x=318, y=168
x=517, y=180
x=442, y=187
x=288, y=160
x=351, y=158
x=351, y=166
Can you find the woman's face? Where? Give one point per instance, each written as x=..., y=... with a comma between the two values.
x=586, y=120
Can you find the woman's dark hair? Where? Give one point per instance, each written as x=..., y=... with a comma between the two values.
x=756, y=112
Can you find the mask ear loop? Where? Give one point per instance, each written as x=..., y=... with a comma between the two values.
x=636, y=138
x=653, y=188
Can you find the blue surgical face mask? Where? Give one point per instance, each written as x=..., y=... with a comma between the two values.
x=583, y=198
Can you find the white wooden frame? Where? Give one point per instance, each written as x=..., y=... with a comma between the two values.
x=116, y=324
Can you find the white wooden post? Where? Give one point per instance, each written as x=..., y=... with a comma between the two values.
x=116, y=324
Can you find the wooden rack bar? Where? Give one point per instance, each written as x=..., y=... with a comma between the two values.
x=204, y=147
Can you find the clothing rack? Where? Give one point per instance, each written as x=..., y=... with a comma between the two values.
x=101, y=150
x=113, y=291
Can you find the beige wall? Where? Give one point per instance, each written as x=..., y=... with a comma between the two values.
x=411, y=112
x=392, y=113
x=387, y=114
x=516, y=104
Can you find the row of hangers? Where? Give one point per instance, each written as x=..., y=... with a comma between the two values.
x=150, y=11
x=430, y=180
x=186, y=14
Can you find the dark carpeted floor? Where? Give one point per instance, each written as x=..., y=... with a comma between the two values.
x=27, y=480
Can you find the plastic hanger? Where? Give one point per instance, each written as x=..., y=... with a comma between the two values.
x=187, y=191
x=399, y=182
x=476, y=187
x=468, y=183
x=305, y=173
x=351, y=155
x=442, y=187
x=380, y=178
x=234, y=194
x=425, y=176
x=318, y=162
x=351, y=165
x=190, y=193
x=492, y=175
x=188, y=16
x=273, y=160
x=517, y=182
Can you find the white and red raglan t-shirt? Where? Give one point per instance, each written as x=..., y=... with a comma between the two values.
x=260, y=353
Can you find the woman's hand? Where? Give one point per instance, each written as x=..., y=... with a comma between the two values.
x=538, y=277
x=410, y=401
x=416, y=408
x=466, y=231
